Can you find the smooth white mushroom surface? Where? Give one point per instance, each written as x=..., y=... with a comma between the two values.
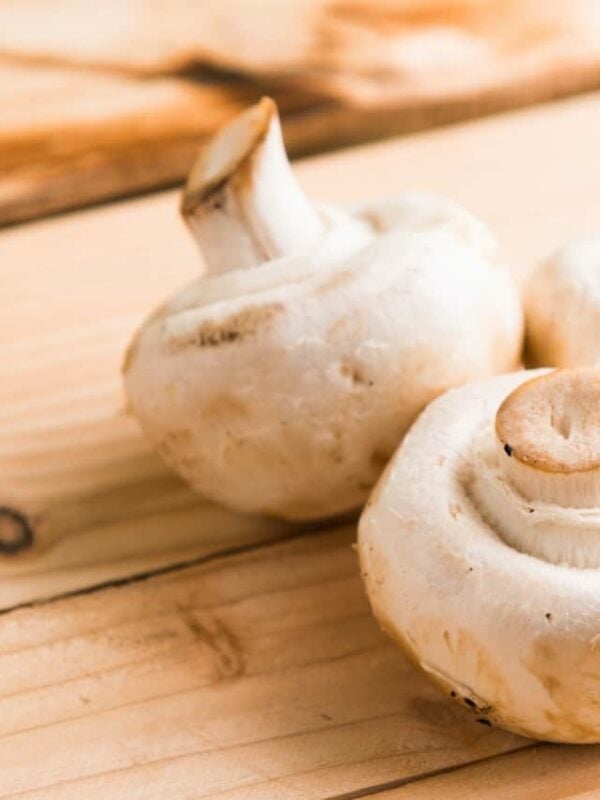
x=282, y=381
x=480, y=549
x=562, y=307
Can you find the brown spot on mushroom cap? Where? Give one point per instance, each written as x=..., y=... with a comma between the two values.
x=353, y=372
x=338, y=330
x=575, y=702
x=463, y=646
x=349, y=327
x=335, y=449
x=225, y=406
x=334, y=281
x=238, y=326
x=173, y=441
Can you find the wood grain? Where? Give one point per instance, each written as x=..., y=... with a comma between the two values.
x=93, y=110
x=70, y=137
x=364, y=52
x=73, y=289
x=374, y=53
x=540, y=772
x=261, y=675
x=100, y=504
x=257, y=676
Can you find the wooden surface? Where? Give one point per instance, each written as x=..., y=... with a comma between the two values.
x=253, y=675
x=100, y=504
x=537, y=772
x=70, y=137
x=372, y=52
x=104, y=103
x=260, y=676
x=72, y=462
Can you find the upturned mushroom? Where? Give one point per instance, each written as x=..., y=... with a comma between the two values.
x=562, y=307
x=480, y=549
x=282, y=381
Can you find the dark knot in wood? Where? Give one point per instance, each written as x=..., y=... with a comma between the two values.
x=16, y=533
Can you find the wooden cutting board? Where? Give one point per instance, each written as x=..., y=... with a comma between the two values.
x=153, y=645
x=70, y=136
x=102, y=103
x=380, y=52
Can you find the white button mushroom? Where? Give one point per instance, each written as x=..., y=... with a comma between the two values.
x=480, y=549
x=282, y=382
x=562, y=307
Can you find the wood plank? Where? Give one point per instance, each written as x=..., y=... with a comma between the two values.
x=532, y=175
x=258, y=676
x=70, y=137
x=374, y=52
x=343, y=72
x=540, y=772
x=100, y=503
x=378, y=53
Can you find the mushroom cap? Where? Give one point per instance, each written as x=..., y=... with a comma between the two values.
x=562, y=307
x=513, y=636
x=283, y=389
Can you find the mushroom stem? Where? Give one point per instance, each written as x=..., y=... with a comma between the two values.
x=542, y=492
x=242, y=201
x=548, y=438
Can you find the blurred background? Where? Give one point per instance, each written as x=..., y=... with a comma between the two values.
x=102, y=99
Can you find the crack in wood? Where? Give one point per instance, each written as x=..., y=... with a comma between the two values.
x=369, y=791
x=310, y=529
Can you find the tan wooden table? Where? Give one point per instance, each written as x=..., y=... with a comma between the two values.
x=155, y=646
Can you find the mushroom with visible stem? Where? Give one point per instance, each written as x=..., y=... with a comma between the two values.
x=242, y=202
x=481, y=550
x=282, y=381
x=562, y=307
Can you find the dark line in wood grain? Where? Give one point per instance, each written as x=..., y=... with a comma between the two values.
x=200, y=687
x=310, y=529
x=222, y=747
x=17, y=531
x=354, y=795
x=221, y=605
x=369, y=791
x=226, y=748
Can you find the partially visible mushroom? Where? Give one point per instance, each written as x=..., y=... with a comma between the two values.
x=562, y=307
x=283, y=381
x=480, y=549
